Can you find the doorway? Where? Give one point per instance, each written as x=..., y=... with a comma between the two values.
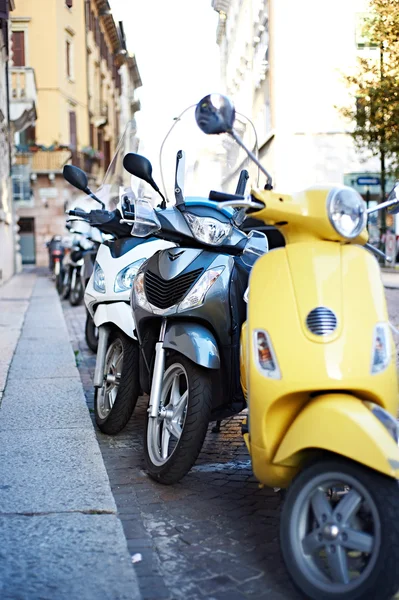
x=27, y=241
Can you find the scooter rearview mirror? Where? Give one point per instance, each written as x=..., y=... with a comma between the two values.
x=76, y=177
x=215, y=114
x=139, y=166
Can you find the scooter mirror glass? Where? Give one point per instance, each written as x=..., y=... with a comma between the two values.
x=76, y=177
x=140, y=167
x=394, y=197
x=210, y=162
x=215, y=114
x=256, y=246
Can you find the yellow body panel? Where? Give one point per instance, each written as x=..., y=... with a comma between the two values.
x=285, y=285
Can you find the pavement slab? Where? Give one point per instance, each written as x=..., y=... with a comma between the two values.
x=60, y=533
x=65, y=557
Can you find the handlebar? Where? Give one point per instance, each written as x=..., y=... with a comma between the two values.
x=223, y=197
x=78, y=212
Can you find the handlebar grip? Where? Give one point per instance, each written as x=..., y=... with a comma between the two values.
x=78, y=212
x=223, y=197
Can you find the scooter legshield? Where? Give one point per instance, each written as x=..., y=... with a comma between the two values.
x=116, y=313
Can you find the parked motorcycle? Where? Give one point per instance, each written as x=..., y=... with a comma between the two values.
x=116, y=378
x=71, y=283
x=318, y=366
x=56, y=254
x=188, y=307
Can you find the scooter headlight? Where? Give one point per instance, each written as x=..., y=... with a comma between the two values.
x=386, y=419
x=99, y=279
x=207, y=230
x=124, y=279
x=347, y=212
x=139, y=292
x=197, y=295
x=381, y=350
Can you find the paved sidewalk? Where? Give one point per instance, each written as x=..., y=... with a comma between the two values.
x=61, y=538
x=390, y=279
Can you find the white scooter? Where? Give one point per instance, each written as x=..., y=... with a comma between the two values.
x=107, y=295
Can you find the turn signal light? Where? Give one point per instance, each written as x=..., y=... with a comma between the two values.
x=265, y=355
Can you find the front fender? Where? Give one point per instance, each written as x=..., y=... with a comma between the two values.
x=194, y=341
x=116, y=313
x=342, y=424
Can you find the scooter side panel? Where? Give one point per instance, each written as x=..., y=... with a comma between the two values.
x=117, y=313
x=282, y=289
x=342, y=424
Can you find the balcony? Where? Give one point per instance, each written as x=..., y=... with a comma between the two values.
x=47, y=162
x=23, y=98
x=100, y=114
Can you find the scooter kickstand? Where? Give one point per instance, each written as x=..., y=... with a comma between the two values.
x=216, y=429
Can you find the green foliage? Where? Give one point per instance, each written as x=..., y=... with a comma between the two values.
x=374, y=87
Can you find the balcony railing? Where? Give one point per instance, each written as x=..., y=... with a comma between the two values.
x=53, y=161
x=23, y=98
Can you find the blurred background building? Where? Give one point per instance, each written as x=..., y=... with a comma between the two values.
x=7, y=221
x=72, y=86
x=283, y=63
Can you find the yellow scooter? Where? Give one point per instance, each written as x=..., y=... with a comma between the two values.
x=318, y=367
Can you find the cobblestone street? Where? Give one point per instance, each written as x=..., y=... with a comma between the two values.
x=215, y=534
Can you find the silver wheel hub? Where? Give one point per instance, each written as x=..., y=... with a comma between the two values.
x=112, y=377
x=335, y=532
x=165, y=431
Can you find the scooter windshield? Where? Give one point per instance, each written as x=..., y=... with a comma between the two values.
x=118, y=182
x=209, y=162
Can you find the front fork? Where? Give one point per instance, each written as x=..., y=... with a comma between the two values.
x=103, y=337
x=157, y=376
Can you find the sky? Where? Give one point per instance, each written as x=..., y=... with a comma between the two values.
x=175, y=46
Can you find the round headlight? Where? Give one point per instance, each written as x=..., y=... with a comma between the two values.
x=347, y=212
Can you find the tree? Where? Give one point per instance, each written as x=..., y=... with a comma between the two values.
x=374, y=89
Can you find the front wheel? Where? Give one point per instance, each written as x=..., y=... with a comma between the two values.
x=173, y=440
x=115, y=401
x=340, y=532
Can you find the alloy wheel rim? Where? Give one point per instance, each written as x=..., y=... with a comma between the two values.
x=165, y=430
x=335, y=532
x=112, y=377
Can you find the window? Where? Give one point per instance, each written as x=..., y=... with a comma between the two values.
x=68, y=3
x=18, y=48
x=68, y=58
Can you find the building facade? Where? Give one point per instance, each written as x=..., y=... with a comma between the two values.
x=283, y=64
x=74, y=50
x=7, y=221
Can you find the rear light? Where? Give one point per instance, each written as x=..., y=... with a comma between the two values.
x=57, y=252
x=265, y=355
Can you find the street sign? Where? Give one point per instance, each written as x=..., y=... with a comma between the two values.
x=368, y=181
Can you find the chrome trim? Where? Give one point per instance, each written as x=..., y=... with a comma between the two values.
x=321, y=321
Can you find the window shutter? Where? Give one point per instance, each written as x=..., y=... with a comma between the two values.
x=3, y=9
x=73, y=131
x=18, y=48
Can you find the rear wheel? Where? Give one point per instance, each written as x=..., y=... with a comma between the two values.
x=115, y=401
x=77, y=292
x=91, y=334
x=173, y=440
x=340, y=532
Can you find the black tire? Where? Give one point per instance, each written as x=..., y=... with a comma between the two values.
x=76, y=294
x=128, y=390
x=194, y=427
x=58, y=281
x=65, y=285
x=380, y=575
x=91, y=334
